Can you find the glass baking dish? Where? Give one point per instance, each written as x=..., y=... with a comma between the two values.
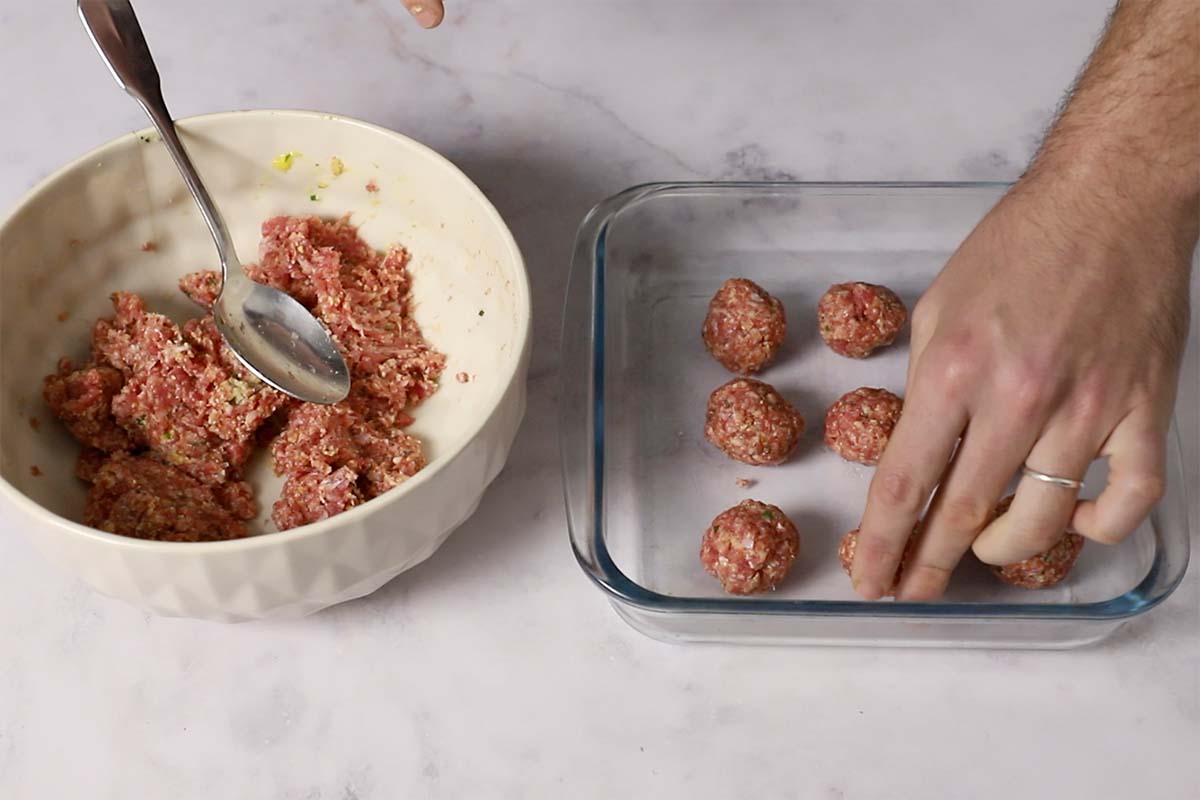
x=642, y=484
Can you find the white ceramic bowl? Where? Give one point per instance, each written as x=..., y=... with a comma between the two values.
x=77, y=237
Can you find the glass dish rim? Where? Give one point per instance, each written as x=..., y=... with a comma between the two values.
x=589, y=257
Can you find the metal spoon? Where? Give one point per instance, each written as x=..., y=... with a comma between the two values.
x=271, y=333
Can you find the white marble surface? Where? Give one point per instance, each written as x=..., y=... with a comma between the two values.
x=495, y=669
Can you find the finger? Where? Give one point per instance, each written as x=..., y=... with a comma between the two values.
x=428, y=13
x=916, y=455
x=921, y=328
x=1040, y=512
x=992, y=449
x=1137, y=469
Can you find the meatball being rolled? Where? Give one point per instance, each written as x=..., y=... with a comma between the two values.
x=859, y=424
x=1045, y=569
x=849, y=544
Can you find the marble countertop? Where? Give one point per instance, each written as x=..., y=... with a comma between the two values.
x=455, y=680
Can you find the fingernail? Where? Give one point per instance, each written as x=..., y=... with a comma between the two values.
x=426, y=16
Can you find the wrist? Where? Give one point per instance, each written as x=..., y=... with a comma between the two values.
x=1110, y=189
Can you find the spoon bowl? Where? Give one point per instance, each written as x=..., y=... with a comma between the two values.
x=275, y=336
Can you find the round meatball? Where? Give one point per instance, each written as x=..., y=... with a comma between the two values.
x=744, y=327
x=750, y=548
x=751, y=422
x=859, y=424
x=857, y=318
x=1045, y=569
x=849, y=544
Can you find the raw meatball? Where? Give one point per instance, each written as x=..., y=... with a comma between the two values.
x=744, y=327
x=859, y=424
x=749, y=421
x=1044, y=570
x=849, y=544
x=857, y=318
x=749, y=548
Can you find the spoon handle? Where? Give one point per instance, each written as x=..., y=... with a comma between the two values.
x=118, y=36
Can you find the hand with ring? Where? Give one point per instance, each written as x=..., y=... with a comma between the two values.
x=1054, y=334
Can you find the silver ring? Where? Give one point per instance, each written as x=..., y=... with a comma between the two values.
x=1053, y=480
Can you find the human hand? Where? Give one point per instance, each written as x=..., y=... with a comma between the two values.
x=428, y=13
x=1052, y=335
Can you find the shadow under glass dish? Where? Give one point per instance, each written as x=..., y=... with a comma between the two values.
x=642, y=484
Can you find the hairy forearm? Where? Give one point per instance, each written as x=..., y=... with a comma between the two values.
x=1130, y=129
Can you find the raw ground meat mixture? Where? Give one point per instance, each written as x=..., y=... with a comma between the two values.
x=750, y=548
x=857, y=318
x=82, y=399
x=744, y=327
x=168, y=416
x=1045, y=569
x=142, y=497
x=184, y=397
x=859, y=424
x=849, y=544
x=751, y=422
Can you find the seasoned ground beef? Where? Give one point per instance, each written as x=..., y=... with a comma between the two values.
x=182, y=399
x=88, y=463
x=320, y=440
x=859, y=424
x=364, y=298
x=82, y=400
x=313, y=496
x=201, y=287
x=142, y=497
x=744, y=327
x=1045, y=569
x=857, y=318
x=162, y=409
x=750, y=548
x=749, y=421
